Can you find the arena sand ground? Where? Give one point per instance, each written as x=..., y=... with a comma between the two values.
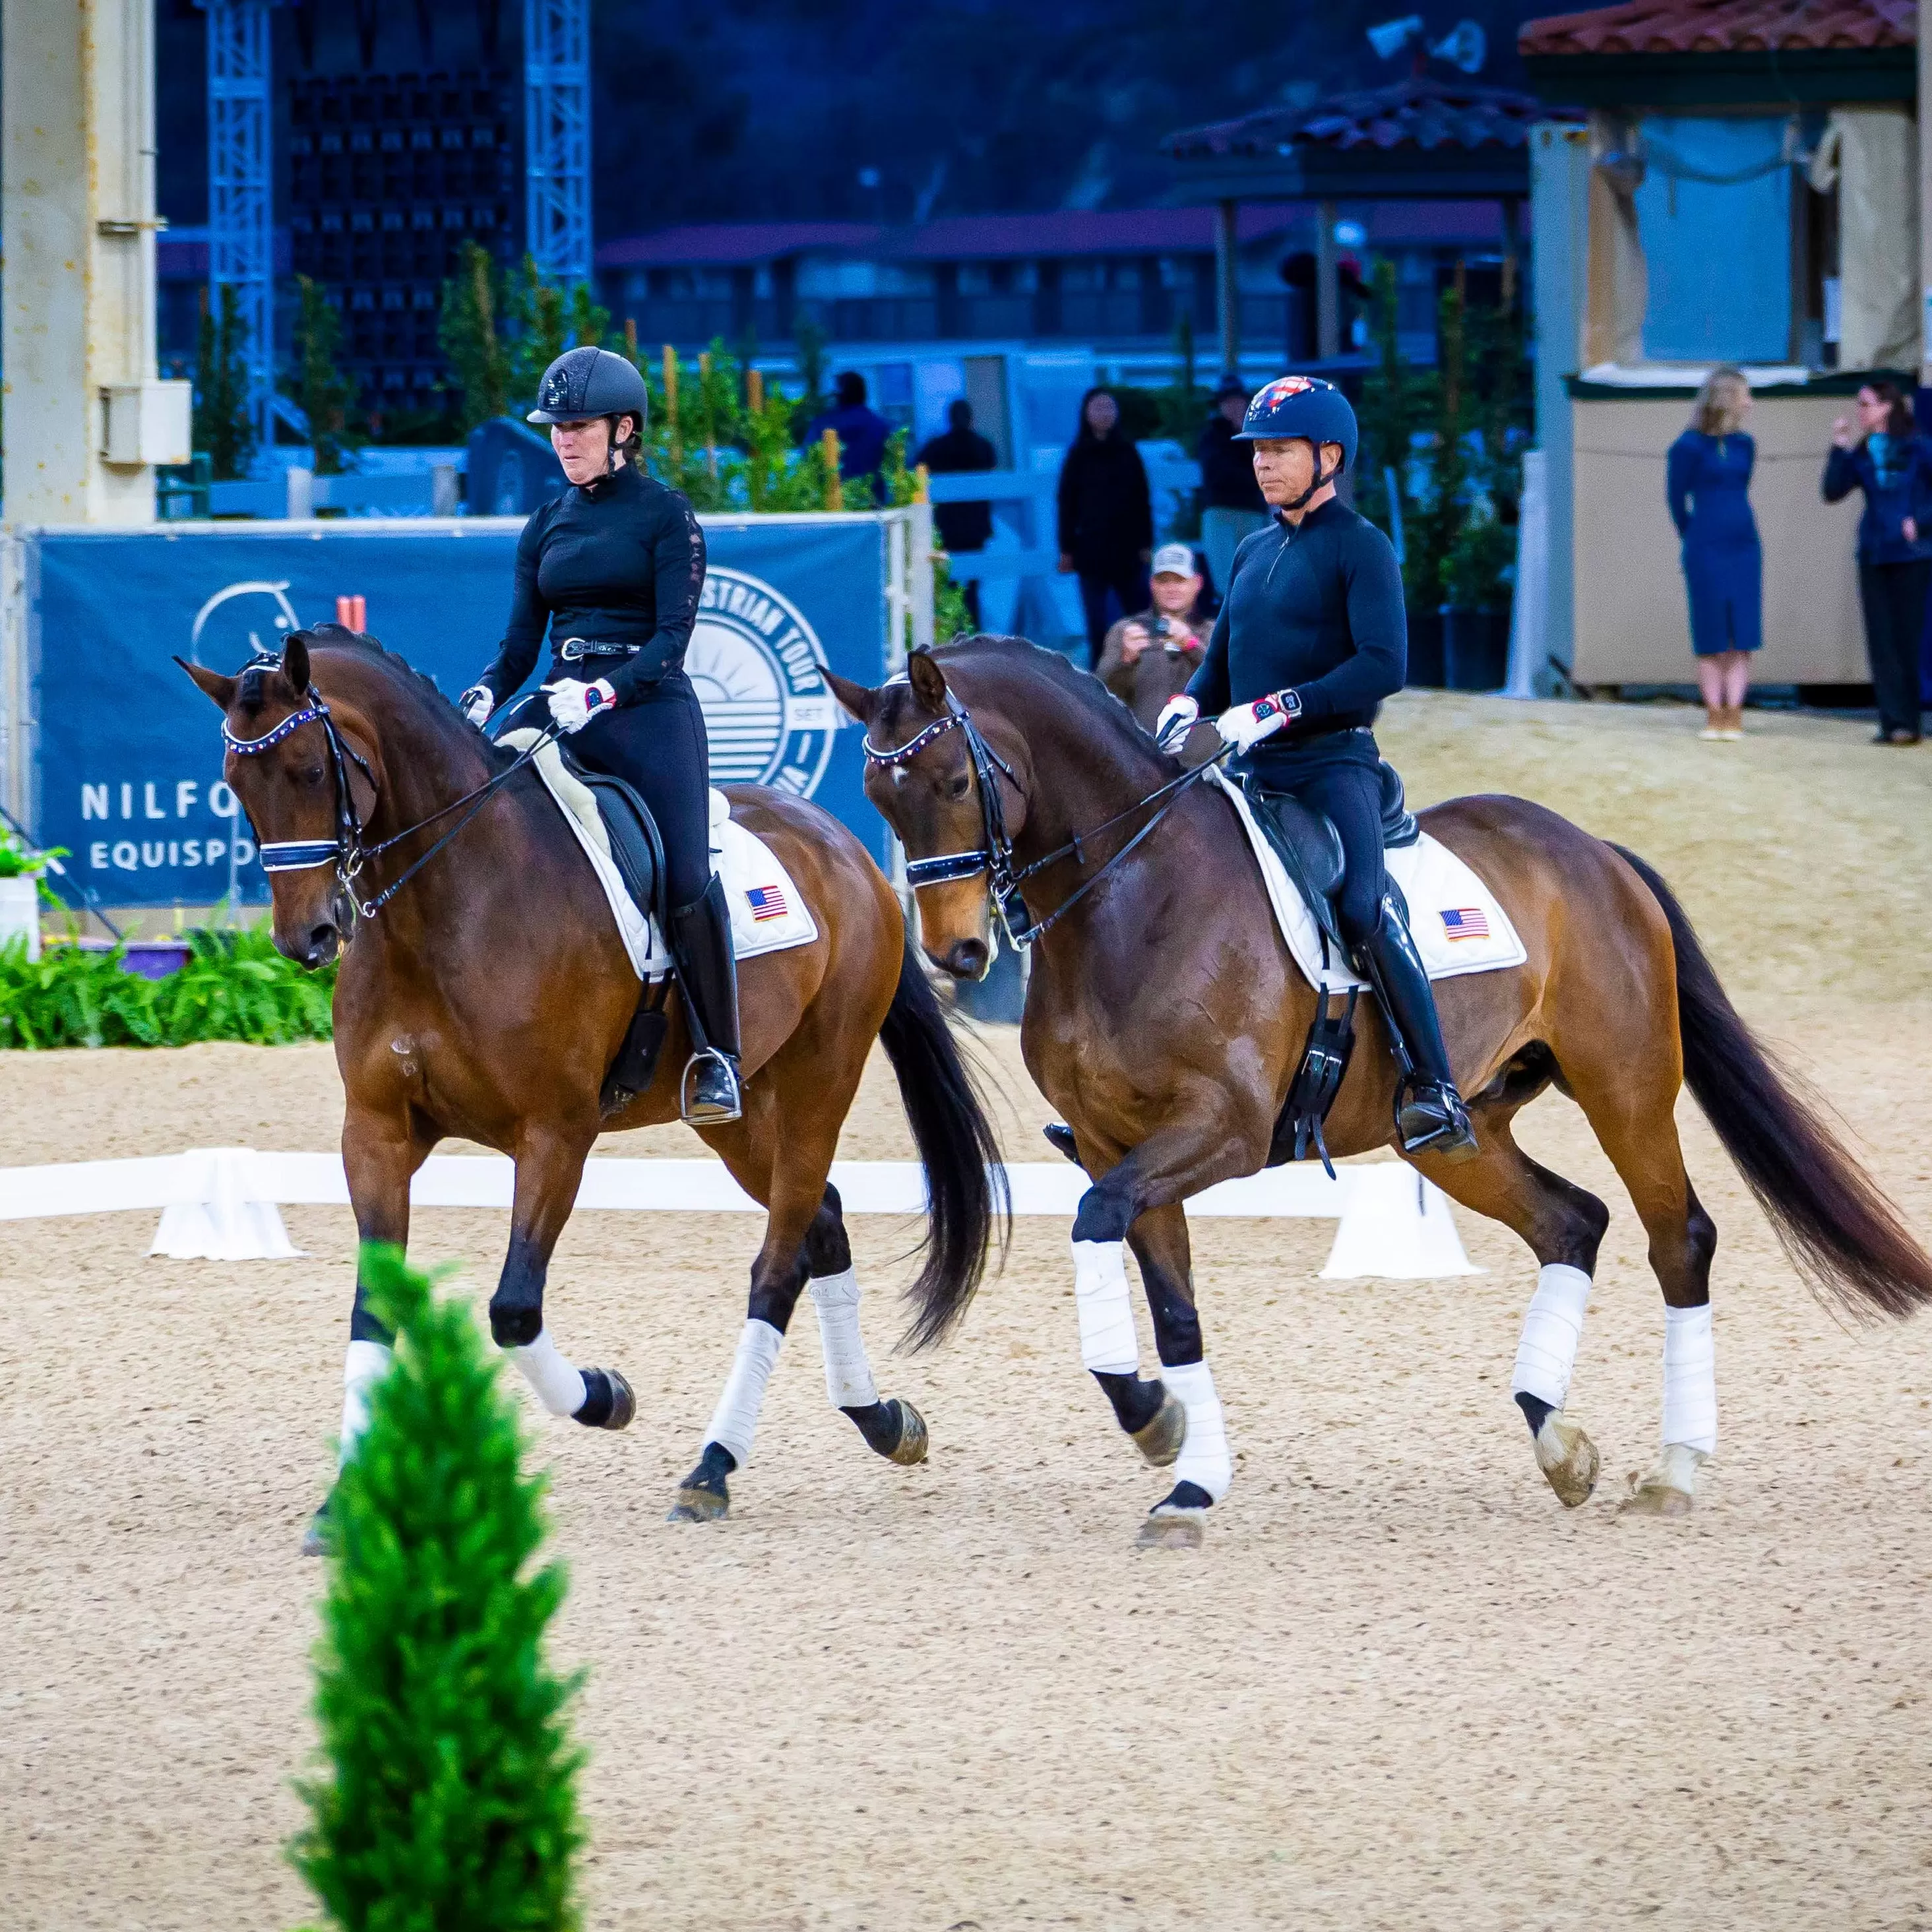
x=1399, y=1687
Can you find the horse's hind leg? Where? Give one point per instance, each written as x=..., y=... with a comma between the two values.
x=1630, y=1109
x=1563, y=1226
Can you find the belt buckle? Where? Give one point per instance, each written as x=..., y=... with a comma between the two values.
x=571, y=650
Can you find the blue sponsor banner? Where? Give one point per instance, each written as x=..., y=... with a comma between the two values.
x=127, y=771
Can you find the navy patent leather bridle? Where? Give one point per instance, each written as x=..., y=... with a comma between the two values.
x=347, y=850
x=995, y=857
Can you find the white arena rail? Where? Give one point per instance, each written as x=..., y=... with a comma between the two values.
x=224, y=1203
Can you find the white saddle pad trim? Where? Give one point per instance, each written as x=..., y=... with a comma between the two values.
x=1433, y=880
x=747, y=865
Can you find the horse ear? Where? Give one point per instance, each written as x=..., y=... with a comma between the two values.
x=219, y=688
x=927, y=680
x=860, y=701
x=295, y=661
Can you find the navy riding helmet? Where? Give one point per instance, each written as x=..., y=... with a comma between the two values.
x=587, y=381
x=1302, y=406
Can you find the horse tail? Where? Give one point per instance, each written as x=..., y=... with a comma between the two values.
x=965, y=1177
x=1840, y=1230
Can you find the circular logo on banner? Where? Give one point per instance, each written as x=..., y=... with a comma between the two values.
x=757, y=666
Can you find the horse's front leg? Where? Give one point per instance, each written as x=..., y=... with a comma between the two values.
x=380, y=1152
x=1177, y=1420
x=550, y=1165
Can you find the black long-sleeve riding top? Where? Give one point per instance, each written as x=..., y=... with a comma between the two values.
x=1315, y=608
x=618, y=561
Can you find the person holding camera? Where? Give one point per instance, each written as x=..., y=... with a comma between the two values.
x=1147, y=658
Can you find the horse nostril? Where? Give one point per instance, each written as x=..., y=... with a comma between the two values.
x=967, y=959
x=321, y=943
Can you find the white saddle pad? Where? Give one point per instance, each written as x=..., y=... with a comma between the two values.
x=1460, y=925
x=769, y=913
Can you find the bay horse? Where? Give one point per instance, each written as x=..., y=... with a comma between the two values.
x=1164, y=1018
x=484, y=991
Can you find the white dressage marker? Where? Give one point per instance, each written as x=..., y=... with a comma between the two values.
x=223, y=1204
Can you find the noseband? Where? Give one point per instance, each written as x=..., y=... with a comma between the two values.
x=995, y=857
x=347, y=850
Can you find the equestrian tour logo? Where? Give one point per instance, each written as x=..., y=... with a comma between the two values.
x=757, y=667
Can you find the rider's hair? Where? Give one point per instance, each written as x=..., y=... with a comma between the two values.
x=631, y=444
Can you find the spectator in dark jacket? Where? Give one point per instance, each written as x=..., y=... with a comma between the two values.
x=862, y=430
x=963, y=528
x=1883, y=456
x=1106, y=518
x=1231, y=504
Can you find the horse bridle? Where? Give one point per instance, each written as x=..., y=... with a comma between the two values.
x=347, y=850
x=995, y=857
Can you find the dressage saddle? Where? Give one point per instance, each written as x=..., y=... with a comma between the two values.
x=636, y=844
x=1310, y=848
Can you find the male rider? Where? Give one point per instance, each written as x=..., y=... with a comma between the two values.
x=1311, y=637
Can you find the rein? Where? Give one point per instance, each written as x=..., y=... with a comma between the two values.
x=995, y=857
x=346, y=851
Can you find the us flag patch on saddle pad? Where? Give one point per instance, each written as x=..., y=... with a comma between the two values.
x=1465, y=922
x=766, y=901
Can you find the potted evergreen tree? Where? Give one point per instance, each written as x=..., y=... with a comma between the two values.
x=1476, y=603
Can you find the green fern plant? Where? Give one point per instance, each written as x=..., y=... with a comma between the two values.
x=449, y=1800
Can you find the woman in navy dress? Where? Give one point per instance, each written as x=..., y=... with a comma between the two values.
x=1709, y=477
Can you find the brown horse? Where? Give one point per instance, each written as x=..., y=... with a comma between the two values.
x=1164, y=1017
x=488, y=996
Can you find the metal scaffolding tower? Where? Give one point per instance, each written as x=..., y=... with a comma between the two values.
x=240, y=177
x=556, y=132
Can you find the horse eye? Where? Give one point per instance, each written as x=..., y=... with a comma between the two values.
x=957, y=786
x=314, y=775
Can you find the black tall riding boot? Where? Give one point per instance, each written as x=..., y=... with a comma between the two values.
x=1430, y=1115
x=701, y=936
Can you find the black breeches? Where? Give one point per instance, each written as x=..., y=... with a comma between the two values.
x=1894, y=596
x=658, y=745
x=1351, y=795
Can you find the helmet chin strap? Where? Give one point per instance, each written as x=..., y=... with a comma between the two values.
x=1322, y=480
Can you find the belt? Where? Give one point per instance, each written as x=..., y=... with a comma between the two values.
x=573, y=650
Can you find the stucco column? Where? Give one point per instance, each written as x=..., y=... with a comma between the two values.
x=1227, y=285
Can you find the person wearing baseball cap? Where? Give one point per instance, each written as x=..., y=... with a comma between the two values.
x=1147, y=657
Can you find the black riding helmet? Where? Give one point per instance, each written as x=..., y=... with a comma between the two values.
x=585, y=382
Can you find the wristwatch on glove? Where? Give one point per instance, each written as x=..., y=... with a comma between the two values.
x=1244, y=726
x=573, y=705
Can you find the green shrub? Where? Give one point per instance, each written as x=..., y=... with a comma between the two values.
x=235, y=986
x=449, y=1802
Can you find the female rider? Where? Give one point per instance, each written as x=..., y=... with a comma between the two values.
x=613, y=567
x=1311, y=637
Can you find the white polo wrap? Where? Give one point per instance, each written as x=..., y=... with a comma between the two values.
x=364, y=1365
x=1551, y=1331
x=1689, y=1379
x=558, y=1387
x=1204, y=1460
x=1108, y=1343
x=735, y=1418
x=848, y=1375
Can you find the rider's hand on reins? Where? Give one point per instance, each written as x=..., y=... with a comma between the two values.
x=573, y=705
x=477, y=704
x=1244, y=726
x=1178, y=716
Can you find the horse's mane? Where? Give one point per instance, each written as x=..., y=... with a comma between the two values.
x=1095, y=704
x=331, y=637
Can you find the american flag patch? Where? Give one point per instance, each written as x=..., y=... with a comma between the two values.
x=766, y=901
x=1465, y=922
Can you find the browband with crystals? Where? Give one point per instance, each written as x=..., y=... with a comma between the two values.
x=249, y=747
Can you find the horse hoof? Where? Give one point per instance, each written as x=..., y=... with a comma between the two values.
x=913, y=1439
x=1160, y=1440
x=1167, y=1528
x=608, y=1403
x=697, y=1505
x=1568, y=1458
x=1669, y=1489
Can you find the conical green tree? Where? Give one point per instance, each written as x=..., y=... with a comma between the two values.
x=223, y=425
x=449, y=1801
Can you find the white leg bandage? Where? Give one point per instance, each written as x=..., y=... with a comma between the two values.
x=848, y=1375
x=735, y=1417
x=1108, y=1343
x=1689, y=1379
x=364, y=1365
x=1204, y=1458
x=559, y=1387
x=1551, y=1331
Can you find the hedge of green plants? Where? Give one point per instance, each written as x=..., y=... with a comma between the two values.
x=448, y=1793
x=235, y=986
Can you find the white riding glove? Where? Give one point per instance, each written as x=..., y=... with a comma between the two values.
x=1244, y=726
x=477, y=704
x=573, y=705
x=1178, y=716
